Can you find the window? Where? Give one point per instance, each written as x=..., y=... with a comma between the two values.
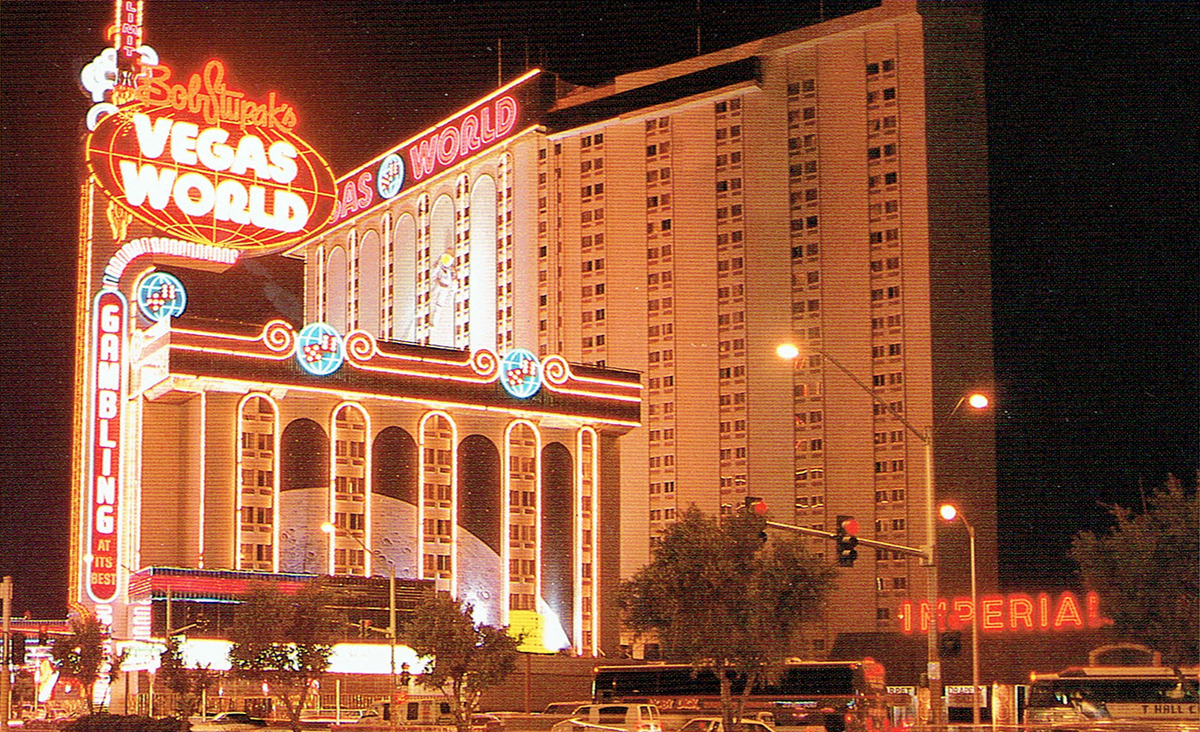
x=889, y=93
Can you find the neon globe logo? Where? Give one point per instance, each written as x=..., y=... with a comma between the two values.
x=391, y=176
x=161, y=295
x=520, y=373
x=319, y=349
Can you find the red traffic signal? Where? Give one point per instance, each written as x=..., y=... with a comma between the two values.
x=755, y=504
x=847, y=539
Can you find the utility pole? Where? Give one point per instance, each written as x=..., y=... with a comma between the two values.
x=5, y=693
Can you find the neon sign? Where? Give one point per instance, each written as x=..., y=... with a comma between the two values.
x=319, y=349
x=1013, y=613
x=520, y=373
x=201, y=162
x=463, y=136
x=391, y=176
x=108, y=398
x=161, y=295
x=481, y=126
x=127, y=39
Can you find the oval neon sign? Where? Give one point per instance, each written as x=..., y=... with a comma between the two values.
x=180, y=160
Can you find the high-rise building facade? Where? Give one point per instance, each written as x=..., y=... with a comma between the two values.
x=825, y=187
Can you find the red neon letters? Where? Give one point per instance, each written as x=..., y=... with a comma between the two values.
x=458, y=138
x=1013, y=613
x=462, y=137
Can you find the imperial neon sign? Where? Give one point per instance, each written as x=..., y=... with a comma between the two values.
x=203, y=163
x=1017, y=612
x=485, y=124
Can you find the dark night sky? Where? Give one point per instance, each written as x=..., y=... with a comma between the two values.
x=1094, y=183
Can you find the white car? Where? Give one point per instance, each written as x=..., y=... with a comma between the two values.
x=613, y=717
x=715, y=724
x=231, y=722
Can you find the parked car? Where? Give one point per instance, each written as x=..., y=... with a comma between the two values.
x=563, y=709
x=230, y=722
x=715, y=724
x=612, y=718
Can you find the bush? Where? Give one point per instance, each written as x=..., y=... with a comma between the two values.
x=125, y=723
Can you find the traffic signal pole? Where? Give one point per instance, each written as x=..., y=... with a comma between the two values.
x=5, y=701
x=831, y=536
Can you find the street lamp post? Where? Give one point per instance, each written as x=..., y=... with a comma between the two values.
x=949, y=513
x=978, y=401
x=329, y=528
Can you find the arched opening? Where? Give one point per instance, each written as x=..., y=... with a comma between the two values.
x=443, y=275
x=558, y=522
x=304, y=458
x=369, y=288
x=482, y=298
x=394, y=465
x=304, y=497
x=480, y=494
x=404, y=299
x=335, y=290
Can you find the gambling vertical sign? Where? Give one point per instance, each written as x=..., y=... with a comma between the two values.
x=110, y=316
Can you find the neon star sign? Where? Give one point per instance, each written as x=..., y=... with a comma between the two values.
x=204, y=163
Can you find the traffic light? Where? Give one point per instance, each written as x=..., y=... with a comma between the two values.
x=753, y=505
x=847, y=540
x=756, y=508
x=16, y=649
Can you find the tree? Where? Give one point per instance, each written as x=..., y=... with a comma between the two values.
x=465, y=658
x=84, y=654
x=718, y=597
x=187, y=684
x=284, y=640
x=1145, y=569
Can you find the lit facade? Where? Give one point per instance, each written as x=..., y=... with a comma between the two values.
x=826, y=186
x=478, y=468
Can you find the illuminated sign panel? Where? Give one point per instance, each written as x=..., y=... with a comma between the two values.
x=127, y=38
x=319, y=349
x=203, y=163
x=161, y=295
x=1017, y=612
x=483, y=125
x=520, y=373
x=108, y=398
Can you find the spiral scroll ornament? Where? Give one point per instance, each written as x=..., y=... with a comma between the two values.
x=279, y=337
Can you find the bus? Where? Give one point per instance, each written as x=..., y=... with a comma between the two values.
x=837, y=696
x=1156, y=695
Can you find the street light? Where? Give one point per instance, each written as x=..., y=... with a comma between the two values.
x=949, y=513
x=789, y=352
x=332, y=530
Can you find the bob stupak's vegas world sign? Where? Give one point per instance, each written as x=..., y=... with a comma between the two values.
x=207, y=164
